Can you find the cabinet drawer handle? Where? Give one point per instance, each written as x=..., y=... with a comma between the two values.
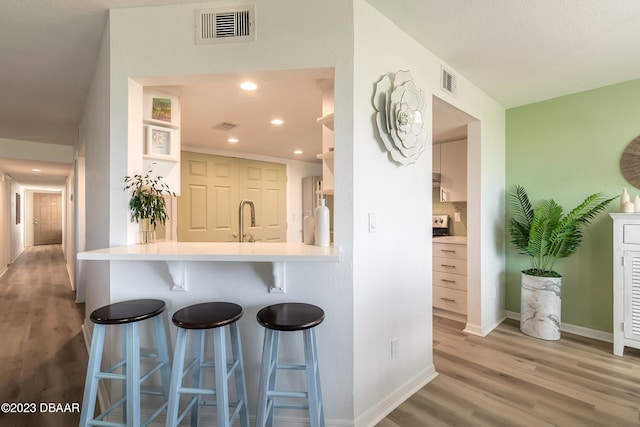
x=447, y=299
x=448, y=265
x=447, y=281
x=448, y=250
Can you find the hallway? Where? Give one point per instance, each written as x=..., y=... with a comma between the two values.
x=43, y=357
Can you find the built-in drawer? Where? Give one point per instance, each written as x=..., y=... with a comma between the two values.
x=450, y=299
x=448, y=280
x=631, y=234
x=450, y=265
x=450, y=250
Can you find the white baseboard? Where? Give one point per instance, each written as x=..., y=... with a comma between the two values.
x=574, y=329
x=486, y=330
x=377, y=413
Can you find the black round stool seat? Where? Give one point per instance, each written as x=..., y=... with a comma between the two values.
x=290, y=316
x=207, y=315
x=127, y=311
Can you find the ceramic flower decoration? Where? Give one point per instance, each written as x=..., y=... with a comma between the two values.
x=400, y=117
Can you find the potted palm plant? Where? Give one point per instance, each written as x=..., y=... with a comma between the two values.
x=545, y=234
x=147, y=204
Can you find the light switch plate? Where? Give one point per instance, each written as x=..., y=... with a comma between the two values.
x=373, y=222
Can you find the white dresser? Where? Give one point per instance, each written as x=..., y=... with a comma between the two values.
x=450, y=274
x=626, y=281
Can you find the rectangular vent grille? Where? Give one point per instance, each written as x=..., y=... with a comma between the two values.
x=224, y=126
x=225, y=25
x=448, y=82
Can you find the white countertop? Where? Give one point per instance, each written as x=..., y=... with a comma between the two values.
x=216, y=251
x=461, y=240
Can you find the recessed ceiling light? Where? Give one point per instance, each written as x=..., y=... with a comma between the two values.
x=36, y=170
x=248, y=86
x=277, y=122
x=297, y=152
x=232, y=140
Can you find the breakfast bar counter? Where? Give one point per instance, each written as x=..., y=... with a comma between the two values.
x=177, y=254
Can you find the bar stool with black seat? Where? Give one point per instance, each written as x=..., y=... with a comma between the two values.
x=129, y=315
x=287, y=317
x=197, y=319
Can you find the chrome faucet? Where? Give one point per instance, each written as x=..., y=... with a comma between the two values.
x=241, y=219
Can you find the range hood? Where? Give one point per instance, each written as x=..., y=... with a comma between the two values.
x=436, y=180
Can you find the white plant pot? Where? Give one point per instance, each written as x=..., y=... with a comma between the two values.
x=540, y=306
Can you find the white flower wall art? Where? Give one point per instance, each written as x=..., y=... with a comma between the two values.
x=400, y=116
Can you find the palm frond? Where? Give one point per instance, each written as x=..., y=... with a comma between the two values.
x=544, y=233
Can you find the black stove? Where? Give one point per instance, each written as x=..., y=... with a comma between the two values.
x=440, y=225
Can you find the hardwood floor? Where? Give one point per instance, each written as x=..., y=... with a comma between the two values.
x=509, y=379
x=43, y=358
x=504, y=379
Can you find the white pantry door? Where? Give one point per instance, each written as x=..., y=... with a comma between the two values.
x=212, y=188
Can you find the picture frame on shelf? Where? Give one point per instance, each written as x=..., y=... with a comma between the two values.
x=160, y=143
x=161, y=109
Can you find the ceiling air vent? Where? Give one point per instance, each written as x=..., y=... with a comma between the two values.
x=223, y=25
x=448, y=82
x=224, y=126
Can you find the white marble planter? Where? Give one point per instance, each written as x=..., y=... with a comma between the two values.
x=540, y=306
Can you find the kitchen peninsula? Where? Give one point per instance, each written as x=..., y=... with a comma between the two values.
x=253, y=275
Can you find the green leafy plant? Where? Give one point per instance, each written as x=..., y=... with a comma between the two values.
x=148, y=197
x=545, y=234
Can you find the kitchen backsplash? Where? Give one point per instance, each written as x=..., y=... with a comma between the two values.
x=457, y=228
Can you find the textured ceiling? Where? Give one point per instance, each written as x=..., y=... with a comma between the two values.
x=524, y=51
x=517, y=51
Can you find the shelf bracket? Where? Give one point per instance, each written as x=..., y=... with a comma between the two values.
x=178, y=272
x=279, y=278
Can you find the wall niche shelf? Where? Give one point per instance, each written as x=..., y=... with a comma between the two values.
x=326, y=120
x=160, y=123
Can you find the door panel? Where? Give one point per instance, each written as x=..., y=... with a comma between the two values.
x=210, y=213
x=47, y=219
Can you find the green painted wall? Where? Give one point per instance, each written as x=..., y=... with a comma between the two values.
x=565, y=149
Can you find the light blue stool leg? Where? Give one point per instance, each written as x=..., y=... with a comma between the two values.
x=222, y=386
x=163, y=354
x=241, y=386
x=198, y=353
x=91, y=382
x=265, y=375
x=123, y=355
x=132, y=331
x=176, y=378
x=271, y=401
x=316, y=410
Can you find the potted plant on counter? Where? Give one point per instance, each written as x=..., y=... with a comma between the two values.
x=545, y=234
x=147, y=204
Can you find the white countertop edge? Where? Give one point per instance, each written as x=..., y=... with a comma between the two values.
x=215, y=251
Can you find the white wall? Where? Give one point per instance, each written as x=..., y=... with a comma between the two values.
x=392, y=267
x=381, y=288
x=316, y=35
x=94, y=135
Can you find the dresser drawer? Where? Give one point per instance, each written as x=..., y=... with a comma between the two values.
x=631, y=234
x=450, y=265
x=450, y=299
x=450, y=250
x=448, y=280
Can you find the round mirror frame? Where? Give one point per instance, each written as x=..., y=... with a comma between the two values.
x=630, y=162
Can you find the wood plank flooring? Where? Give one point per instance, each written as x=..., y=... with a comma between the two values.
x=509, y=379
x=504, y=379
x=43, y=358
